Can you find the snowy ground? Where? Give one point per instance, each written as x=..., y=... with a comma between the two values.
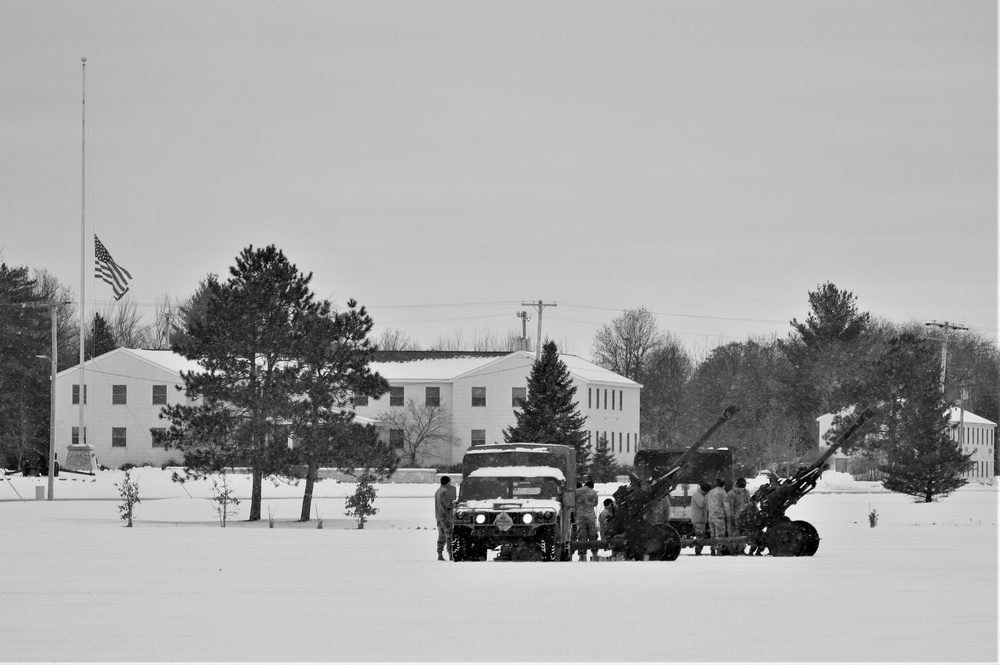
x=77, y=586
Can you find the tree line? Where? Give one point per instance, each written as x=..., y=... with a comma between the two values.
x=835, y=360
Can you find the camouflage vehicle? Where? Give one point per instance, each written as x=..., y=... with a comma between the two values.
x=516, y=498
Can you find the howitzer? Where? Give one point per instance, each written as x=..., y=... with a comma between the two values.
x=764, y=518
x=633, y=536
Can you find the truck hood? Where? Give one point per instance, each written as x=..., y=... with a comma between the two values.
x=509, y=504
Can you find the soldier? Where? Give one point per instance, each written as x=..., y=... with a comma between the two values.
x=738, y=499
x=444, y=500
x=605, y=519
x=699, y=514
x=586, y=518
x=718, y=511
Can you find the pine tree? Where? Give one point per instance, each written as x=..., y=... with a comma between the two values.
x=241, y=332
x=603, y=467
x=924, y=461
x=101, y=339
x=24, y=398
x=549, y=414
x=332, y=354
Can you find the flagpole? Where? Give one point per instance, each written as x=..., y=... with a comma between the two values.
x=80, y=456
x=83, y=250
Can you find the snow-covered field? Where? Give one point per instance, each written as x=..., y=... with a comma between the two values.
x=77, y=586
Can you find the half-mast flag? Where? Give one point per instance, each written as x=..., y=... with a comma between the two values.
x=106, y=268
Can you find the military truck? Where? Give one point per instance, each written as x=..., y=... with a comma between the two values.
x=516, y=498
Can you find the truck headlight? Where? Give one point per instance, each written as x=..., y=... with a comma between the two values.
x=480, y=518
x=527, y=518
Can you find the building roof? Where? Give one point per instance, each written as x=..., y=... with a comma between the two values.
x=955, y=415
x=165, y=359
x=447, y=366
x=413, y=366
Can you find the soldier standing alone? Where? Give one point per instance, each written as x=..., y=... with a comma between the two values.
x=444, y=501
x=586, y=517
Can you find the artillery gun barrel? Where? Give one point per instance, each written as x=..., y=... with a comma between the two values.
x=637, y=498
x=686, y=457
x=865, y=416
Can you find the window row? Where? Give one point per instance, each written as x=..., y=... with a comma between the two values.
x=432, y=397
x=627, y=443
x=396, y=439
x=594, y=399
x=157, y=437
x=119, y=394
x=981, y=470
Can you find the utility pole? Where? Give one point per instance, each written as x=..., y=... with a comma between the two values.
x=539, y=306
x=524, y=316
x=946, y=327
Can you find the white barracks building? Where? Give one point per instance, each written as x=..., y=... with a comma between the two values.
x=127, y=388
x=482, y=390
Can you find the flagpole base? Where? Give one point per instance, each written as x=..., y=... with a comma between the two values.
x=81, y=458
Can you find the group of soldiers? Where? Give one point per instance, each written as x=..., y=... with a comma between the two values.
x=715, y=512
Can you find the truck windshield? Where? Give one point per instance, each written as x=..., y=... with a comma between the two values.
x=484, y=489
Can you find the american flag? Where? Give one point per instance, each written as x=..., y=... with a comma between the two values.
x=106, y=268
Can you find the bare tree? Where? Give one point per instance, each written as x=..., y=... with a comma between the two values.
x=126, y=325
x=416, y=428
x=166, y=319
x=624, y=345
x=488, y=339
x=393, y=339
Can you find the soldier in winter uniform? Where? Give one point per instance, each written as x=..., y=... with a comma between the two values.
x=699, y=514
x=605, y=519
x=586, y=517
x=444, y=501
x=738, y=499
x=718, y=510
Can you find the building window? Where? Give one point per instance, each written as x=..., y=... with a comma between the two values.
x=361, y=400
x=396, y=396
x=479, y=437
x=158, y=435
x=117, y=437
x=606, y=398
x=479, y=396
x=590, y=399
x=612, y=400
x=396, y=438
x=619, y=434
x=159, y=394
x=76, y=393
x=119, y=394
x=432, y=396
x=76, y=433
x=518, y=397
x=621, y=401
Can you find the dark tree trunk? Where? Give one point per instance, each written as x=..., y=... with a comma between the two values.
x=255, y=496
x=311, y=472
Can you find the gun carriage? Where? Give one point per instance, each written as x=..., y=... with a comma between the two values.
x=764, y=519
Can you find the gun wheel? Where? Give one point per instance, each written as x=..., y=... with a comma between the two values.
x=671, y=543
x=811, y=535
x=786, y=539
x=644, y=541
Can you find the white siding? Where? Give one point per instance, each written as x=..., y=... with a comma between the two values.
x=137, y=416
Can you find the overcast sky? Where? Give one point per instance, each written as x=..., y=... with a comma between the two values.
x=711, y=161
